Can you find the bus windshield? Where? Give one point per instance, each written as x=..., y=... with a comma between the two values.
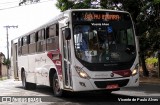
x=103, y=37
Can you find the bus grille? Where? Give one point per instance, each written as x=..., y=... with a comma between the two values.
x=103, y=84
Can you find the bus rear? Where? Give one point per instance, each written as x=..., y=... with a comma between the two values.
x=105, y=52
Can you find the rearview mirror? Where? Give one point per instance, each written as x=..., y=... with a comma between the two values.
x=67, y=33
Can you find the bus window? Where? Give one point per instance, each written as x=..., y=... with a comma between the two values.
x=130, y=37
x=41, y=35
x=32, y=44
x=52, y=30
x=24, y=41
x=19, y=46
x=41, y=43
x=52, y=39
x=123, y=37
x=24, y=45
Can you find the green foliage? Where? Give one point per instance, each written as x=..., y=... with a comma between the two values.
x=64, y=4
x=67, y=4
x=7, y=62
x=81, y=5
x=156, y=1
x=103, y=4
x=151, y=60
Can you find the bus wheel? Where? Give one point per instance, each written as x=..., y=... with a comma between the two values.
x=56, y=88
x=27, y=85
x=24, y=84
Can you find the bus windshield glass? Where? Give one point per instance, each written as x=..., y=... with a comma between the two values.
x=103, y=37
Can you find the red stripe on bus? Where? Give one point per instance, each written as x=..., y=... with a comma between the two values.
x=124, y=73
x=56, y=61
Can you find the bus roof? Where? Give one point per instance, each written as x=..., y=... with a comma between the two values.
x=62, y=15
x=109, y=10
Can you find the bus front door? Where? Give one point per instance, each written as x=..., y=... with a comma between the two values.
x=66, y=46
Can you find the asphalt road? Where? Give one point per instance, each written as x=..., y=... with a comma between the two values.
x=148, y=93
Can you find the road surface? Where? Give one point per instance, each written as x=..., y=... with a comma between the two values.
x=43, y=95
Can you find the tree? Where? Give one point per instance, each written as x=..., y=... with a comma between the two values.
x=76, y=4
x=145, y=14
x=64, y=4
x=148, y=20
x=7, y=62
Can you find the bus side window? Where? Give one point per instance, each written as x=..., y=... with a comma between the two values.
x=52, y=37
x=24, y=45
x=32, y=43
x=19, y=46
x=41, y=43
x=123, y=37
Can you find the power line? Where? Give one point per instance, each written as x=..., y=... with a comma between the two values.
x=9, y=8
x=28, y=1
x=8, y=2
x=22, y=5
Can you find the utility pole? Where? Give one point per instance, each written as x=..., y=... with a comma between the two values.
x=7, y=27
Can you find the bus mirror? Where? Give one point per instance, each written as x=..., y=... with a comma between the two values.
x=67, y=33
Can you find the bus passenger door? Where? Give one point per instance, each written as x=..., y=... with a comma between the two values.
x=66, y=61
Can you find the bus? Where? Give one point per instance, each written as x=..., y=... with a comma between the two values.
x=72, y=52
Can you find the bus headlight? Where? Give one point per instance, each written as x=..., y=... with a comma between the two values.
x=81, y=72
x=135, y=71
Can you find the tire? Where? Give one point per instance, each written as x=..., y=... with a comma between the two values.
x=56, y=88
x=27, y=85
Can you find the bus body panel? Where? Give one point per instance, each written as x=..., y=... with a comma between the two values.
x=23, y=65
x=42, y=65
x=31, y=68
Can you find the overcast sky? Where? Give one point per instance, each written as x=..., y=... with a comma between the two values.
x=26, y=17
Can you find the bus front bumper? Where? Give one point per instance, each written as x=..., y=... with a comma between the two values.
x=80, y=84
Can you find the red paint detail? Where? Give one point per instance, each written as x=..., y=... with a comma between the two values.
x=123, y=73
x=112, y=86
x=59, y=64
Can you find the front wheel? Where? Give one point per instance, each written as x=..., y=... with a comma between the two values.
x=56, y=88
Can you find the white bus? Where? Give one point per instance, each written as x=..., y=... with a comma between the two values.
x=73, y=52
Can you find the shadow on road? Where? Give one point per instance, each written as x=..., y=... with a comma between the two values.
x=146, y=88
x=91, y=96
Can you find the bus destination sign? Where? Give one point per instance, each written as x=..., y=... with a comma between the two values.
x=93, y=16
x=96, y=16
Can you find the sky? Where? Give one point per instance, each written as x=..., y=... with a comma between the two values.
x=26, y=17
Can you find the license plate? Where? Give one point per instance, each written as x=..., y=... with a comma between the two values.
x=112, y=86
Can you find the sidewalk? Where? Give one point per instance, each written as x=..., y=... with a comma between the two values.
x=151, y=80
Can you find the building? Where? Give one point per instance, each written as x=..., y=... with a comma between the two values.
x=3, y=68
